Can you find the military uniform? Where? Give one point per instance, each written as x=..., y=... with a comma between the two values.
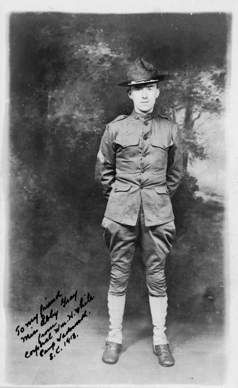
x=139, y=167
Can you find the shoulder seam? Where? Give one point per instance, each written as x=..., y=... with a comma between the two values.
x=119, y=118
x=164, y=117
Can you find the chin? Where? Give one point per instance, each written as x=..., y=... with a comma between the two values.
x=145, y=110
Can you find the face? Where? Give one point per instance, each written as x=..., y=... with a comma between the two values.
x=144, y=97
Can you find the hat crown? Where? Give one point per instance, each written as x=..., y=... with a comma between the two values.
x=141, y=70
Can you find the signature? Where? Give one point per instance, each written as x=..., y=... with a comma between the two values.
x=51, y=336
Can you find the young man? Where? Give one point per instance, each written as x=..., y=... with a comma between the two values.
x=139, y=167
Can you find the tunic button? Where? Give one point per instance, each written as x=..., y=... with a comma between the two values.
x=141, y=186
x=146, y=123
x=145, y=137
x=142, y=170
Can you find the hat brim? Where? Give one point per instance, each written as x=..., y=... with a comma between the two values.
x=156, y=79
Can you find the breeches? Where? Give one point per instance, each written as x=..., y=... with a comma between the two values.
x=155, y=243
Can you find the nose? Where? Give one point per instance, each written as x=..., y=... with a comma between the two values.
x=144, y=93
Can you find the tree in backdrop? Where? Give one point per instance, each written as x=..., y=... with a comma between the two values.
x=66, y=94
x=187, y=98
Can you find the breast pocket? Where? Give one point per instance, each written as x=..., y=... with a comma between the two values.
x=159, y=151
x=127, y=156
x=126, y=140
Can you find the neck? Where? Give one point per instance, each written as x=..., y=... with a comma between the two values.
x=142, y=113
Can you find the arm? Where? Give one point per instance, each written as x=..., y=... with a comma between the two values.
x=106, y=167
x=175, y=162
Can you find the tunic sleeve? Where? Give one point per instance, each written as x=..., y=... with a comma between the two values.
x=175, y=162
x=106, y=167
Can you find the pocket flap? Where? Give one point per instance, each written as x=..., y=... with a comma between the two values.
x=127, y=140
x=161, y=190
x=119, y=186
x=162, y=143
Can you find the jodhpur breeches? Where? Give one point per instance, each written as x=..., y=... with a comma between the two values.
x=155, y=243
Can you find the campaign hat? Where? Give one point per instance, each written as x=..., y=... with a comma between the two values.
x=142, y=72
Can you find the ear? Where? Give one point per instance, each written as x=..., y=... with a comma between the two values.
x=129, y=93
x=157, y=93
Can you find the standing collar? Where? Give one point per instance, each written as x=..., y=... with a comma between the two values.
x=141, y=116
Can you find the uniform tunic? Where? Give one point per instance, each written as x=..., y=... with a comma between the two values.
x=140, y=159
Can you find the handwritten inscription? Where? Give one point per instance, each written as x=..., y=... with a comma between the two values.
x=49, y=335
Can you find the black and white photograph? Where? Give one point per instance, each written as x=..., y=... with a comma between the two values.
x=115, y=194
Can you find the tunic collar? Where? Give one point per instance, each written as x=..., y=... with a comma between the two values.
x=143, y=117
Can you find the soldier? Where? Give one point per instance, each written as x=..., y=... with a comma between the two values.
x=139, y=167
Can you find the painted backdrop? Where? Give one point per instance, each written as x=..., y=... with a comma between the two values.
x=63, y=74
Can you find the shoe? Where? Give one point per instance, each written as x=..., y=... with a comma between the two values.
x=165, y=357
x=111, y=353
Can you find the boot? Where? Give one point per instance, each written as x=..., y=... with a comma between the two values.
x=164, y=355
x=116, y=306
x=111, y=353
x=158, y=308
